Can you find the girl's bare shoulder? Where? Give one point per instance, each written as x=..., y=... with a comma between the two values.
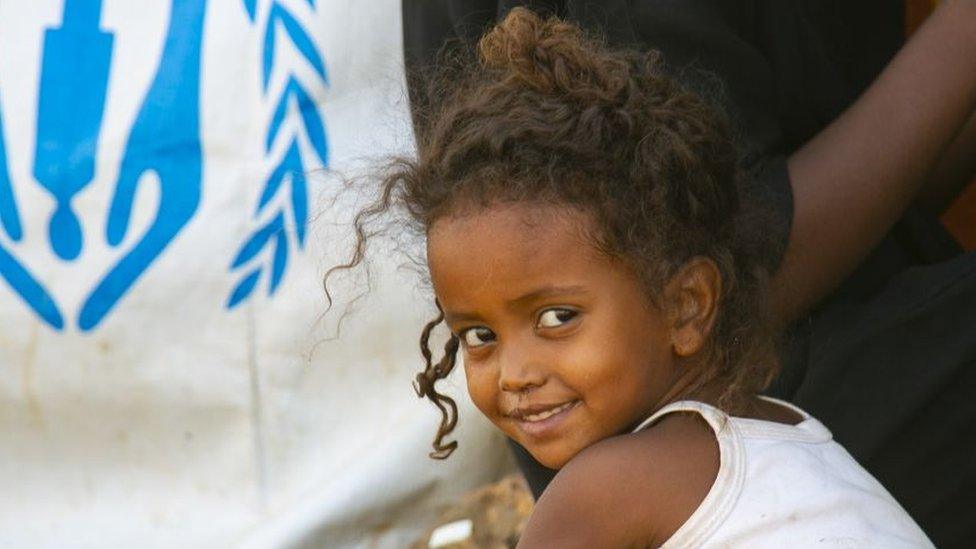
x=629, y=490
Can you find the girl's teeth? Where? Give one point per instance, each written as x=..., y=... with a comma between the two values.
x=548, y=413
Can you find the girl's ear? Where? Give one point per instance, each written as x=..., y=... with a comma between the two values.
x=692, y=297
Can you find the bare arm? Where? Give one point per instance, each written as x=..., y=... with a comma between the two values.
x=581, y=508
x=627, y=491
x=854, y=179
x=955, y=170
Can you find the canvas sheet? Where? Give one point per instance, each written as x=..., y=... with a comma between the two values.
x=169, y=378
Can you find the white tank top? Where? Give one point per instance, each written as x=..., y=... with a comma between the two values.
x=788, y=486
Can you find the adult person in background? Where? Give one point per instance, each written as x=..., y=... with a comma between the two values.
x=879, y=300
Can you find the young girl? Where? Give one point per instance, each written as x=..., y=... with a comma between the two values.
x=846, y=157
x=580, y=209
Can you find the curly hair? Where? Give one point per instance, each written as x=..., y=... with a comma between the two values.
x=545, y=114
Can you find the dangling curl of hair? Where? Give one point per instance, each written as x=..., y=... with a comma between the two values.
x=424, y=385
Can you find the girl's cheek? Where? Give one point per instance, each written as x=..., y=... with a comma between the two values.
x=480, y=388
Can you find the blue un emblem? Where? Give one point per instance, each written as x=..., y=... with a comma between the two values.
x=163, y=148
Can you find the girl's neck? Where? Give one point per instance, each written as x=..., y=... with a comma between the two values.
x=688, y=386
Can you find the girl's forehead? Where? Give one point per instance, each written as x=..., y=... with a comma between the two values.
x=510, y=230
x=509, y=251
x=498, y=262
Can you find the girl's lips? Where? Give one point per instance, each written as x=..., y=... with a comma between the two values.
x=542, y=423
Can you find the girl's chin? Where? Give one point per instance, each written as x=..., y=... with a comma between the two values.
x=552, y=458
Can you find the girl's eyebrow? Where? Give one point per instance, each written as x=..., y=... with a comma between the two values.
x=545, y=292
x=451, y=317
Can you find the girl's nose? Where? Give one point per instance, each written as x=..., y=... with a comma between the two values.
x=520, y=371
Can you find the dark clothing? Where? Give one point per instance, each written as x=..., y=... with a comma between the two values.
x=900, y=329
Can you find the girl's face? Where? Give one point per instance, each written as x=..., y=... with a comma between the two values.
x=562, y=348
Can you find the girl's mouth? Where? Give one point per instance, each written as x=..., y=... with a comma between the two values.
x=539, y=421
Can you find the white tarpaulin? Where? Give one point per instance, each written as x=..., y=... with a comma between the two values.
x=168, y=377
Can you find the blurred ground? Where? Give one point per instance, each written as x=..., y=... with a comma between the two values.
x=497, y=514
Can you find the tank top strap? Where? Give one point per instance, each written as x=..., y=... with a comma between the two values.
x=721, y=498
x=716, y=419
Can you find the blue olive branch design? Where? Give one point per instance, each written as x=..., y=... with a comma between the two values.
x=279, y=24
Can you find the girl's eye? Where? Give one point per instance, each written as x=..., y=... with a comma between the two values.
x=476, y=337
x=554, y=318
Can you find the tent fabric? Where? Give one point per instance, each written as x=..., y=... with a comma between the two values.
x=167, y=210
